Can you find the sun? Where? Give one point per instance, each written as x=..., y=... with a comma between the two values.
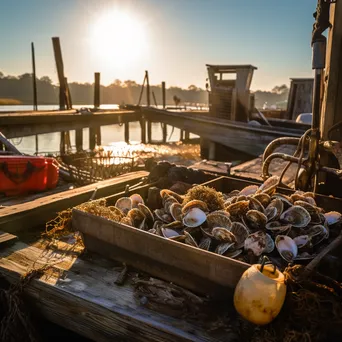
x=118, y=38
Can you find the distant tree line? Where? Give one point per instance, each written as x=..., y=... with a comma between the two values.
x=19, y=88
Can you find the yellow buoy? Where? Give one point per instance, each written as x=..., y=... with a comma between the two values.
x=260, y=294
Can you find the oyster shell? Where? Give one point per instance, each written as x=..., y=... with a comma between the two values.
x=176, y=211
x=124, y=204
x=256, y=220
x=296, y=216
x=223, y=247
x=332, y=217
x=136, y=199
x=256, y=243
x=248, y=190
x=195, y=204
x=194, y=217
x=223, y=234
x=286, y=247
x=269, y=244
x=217, y=219
x=240, y=232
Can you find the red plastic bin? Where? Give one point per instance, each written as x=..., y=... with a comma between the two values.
x=23, y=174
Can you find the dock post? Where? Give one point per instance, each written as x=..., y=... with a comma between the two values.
x=148, y=89
x=68, y=94
x=37, y=147
x=62, y=144
x=164, y=133
x=97, y=90
x=164, y=95
x=79, y=139
x=186, y=136
x=181, y=136
x=143, y=130
x=60, y=72
x=34, y=79
x=92, y=138
x=149, y=132
x=126, y=132
x=212, y=150
x=98, y=136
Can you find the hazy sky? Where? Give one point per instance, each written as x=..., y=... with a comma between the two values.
x=173, y=39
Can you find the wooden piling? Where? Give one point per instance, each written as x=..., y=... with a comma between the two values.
x=97, y=90
x=98, y=136
x=92, y=138
x=149, y=132
x=68, y=94
x=34, y=78
x=37, y=147
x=181, y=135
x=143, y=130
x=62, y=144
x=147, y=89
x=60, y=72
x=186, y=135
x=164, y=132
x=154, y=99
x=126, y=132
x=79, y=139
x=164, y=94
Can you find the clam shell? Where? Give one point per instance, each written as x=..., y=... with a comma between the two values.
x=146, y=212
x=189, y=240
x=116, y=211
x=169, y=233
x=277, y=227
x=269, y=186
x=263, y=198
x=124, y=204
x=298, y=196
x=127, y=220
x=285, y=199
x=174, y=225
x=194, y=217
x=248, y=190
x=223, y=247
x=207, y=232
x=256, y=243
x=162, y=215
x=217, y=219
x=304, y=256
x=255, y=219
x=255, y=204
x=180, y=238
x=269, y=244
x=316, y=230
x=312, y=209
x=205, y=243
x=136, y=199
x=195, y=204
x=302, y=240
x=332, y=217
x=286, y=247
x=271, y=213
x=233, y=193
x=233, y=254
x=297, y=216
x=240, y=232
x=166, y=192
x=238, y=208
x=168, y=203
x=279, y=205
x=223, y=234
x=136, y=216
x=176, y=211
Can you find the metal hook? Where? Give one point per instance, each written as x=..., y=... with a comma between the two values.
x=267, y=261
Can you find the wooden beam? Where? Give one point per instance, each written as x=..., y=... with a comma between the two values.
x=34, y=79
x=148, y=89
x=7, y=239
x=32, y=214
x=92, y=138
x=79, y=139
x=97, y=90
x=164, y=94
x=126, y=126
x=332, y=100
x=143, y=130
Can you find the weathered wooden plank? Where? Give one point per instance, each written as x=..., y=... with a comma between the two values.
x=40, y=210
x=6, y=239
x=81, y=296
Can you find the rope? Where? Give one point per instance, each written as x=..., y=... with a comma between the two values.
x=322, y=20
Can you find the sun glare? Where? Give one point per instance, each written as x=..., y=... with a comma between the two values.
x=118, y=38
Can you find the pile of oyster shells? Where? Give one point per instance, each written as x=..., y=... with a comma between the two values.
x=254, y=221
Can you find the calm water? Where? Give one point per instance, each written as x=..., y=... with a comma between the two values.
x=112, y=139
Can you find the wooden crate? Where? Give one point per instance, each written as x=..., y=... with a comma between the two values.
x=198, y=270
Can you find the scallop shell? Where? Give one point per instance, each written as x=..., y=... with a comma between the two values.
x=238, y=208
x=146, y=212
x=255, y=219
x=263, y=198
x=124, y=204
x=240, y=232
x=332, y=217
x=195, y=204
x=256, y=243
x=176, y=211
x=296, y=216
x=194, y=217
x=223, y=247
x=136, y=199
x=269, y=186
x=162, y=215
x=189, y=240
x=205, y=243
x=216, y=219
x=286, y=247
x=269, y=244
x=248, y=190
x=223, y=234
x=302, y=240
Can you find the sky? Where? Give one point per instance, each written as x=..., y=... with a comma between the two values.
x=172, y=39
